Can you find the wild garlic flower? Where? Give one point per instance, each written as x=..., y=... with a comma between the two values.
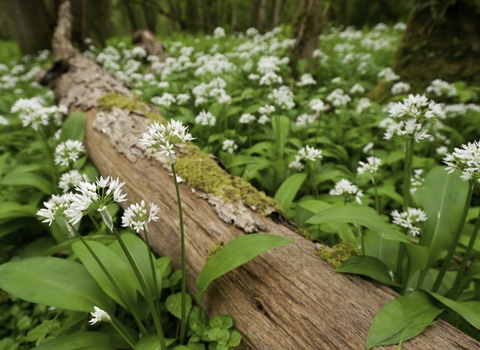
x=409, y=218
x=71, y=179
x=164, y=138
x=400, y=88
x=305, y=119
x=55, y=206
x=411, y=117
x=218, y=33
x=94, y=196
x=466, y=159
x=270, y=78
x=205, y=118
x=338, y=98
x=246, y=118
x=99, y=315
x=306, y=79
x=388, y=75
x=267, y=109
x=282, y=97
x=264, y=119
x=347, y=189
x=440, y=87
x=182, y=99
x=32, y=112
x=165, y=100
x=357, y=88
x=136, y=216
x=306, y=153
x=416, y=180
x=371, y=166
x=317, y=105
x=229, y=145
x=362, y=104
x=68, y=152
x=3, y=120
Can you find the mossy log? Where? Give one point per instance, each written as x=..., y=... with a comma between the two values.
x=287, y=298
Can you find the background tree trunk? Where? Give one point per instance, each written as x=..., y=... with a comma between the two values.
x=150, y=14
x=233, y=22
x=262, y=16
x=277, y=7
x=33, y=26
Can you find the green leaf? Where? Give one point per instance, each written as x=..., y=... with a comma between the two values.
x=79, y=341
x=236, y=253
x=174, y=304
x=52, y=281
x=115, y=266
x=442, y=197
x=288, y=190
x=138, y=249
x=469, y=310
x=418, y=257
x=12, y=210
x=28, y=179
x=360, y=215
x=401, y=319
x=151, y=342
x=73, y=128
x=235, y=339
x=368, y=266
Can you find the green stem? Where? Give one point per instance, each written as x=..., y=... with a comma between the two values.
x=377, y=202
x=121, y=330
x=318, y=128
x=407, y=177
x=456, y=238
x=94, y=222
x=50, y=163
x=119, y=290
x=455, y=291
x=183, y=311
x=156, y=293
x=146, y=290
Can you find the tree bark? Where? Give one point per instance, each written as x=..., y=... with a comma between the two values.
x=277, y=6
x=287, y=298
x=262, y=16
x=33, y=26
x=233, y=22
x=149, y=12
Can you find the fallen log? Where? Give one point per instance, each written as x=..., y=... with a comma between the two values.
x=287, y=298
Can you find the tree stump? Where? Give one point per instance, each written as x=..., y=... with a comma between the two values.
x=287, y=298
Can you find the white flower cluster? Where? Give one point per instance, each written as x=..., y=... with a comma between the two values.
x=213, y=64
x=371, y=166
x=400, y=88
x=306, y=79
x=164, y=138
x=136, y=216
x=99, y=315
x=317, y=105
x=440, y=87
x=282, y=97
x=357, y=89
x=229, y=145
x=363, y=104
x=338, y=98
x=346, y=188
x=305, y=119
x=165, y=100
x=270, y=78
x=466, y=159
x=32, y=112
x=214, y=90
x=55, y=206
x=218, y=33
x=416, y=180
x=205, y=118
x=388, y=75
x=409, y=218
x=409, y=117
x=68, y=152
x=306, y=153
x=71, y=179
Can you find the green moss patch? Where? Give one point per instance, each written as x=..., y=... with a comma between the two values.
x=109, y=101
x=338, y=254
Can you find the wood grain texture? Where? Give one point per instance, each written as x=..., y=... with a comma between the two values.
x=287, y=298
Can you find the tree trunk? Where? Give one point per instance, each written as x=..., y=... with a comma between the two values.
x=254, y=16
x=441, y=41
x=306, y=27
x=277, y=6
x=150, y=14
x=287, y=298
x=233, y=22
x=33, y=26
x=192, y=15
x=262, y=16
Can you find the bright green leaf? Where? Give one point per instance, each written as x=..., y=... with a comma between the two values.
x=469, y=310
x=368, y=266
x=73, y=128
x=236, y=253
x=79, y=341
x=288, y=190
x=174, y=304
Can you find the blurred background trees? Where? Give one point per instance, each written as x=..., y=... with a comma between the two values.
x=23, y=20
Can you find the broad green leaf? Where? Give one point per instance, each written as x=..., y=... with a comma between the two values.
x=73, y=128
x=138, y=249
x=236, y=253
x=174, y=304
x=79, y=341
x=115, y=266
x=418, y=257
x=360, y=215
x=387, y=190
x=473, y=270
x=288, y=190
x=469, y=310
x=401, y=319
x=151, y=342
x=67, y=245
x=442, y=197
x=368, y=266
x=28, y=179
x=281, y=127
x=52, y=281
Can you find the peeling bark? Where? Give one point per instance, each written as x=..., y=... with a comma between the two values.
x=287, y=298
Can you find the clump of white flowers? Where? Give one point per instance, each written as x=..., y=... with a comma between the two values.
x=68, y=152
x=205, y=118
x=371, y=166
x=246, y=118
x=33, y=113
x=306, y=79
x=306, y=153
x=440, y=87
x=388, y=75
x=282, y=97
x=137, y=215
x=317, y=105
x=229, y=146
x=164, y=138
x=99, y=315
x=218, y=33
x=466, y=159
x=54, y=207
x=165, y=100
x=347, y=189
x=305, y=119
x=338, y=98
x=409, y=118
x=400, y=88
x=409, y=218
x=416, y=180
x=71, y=179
